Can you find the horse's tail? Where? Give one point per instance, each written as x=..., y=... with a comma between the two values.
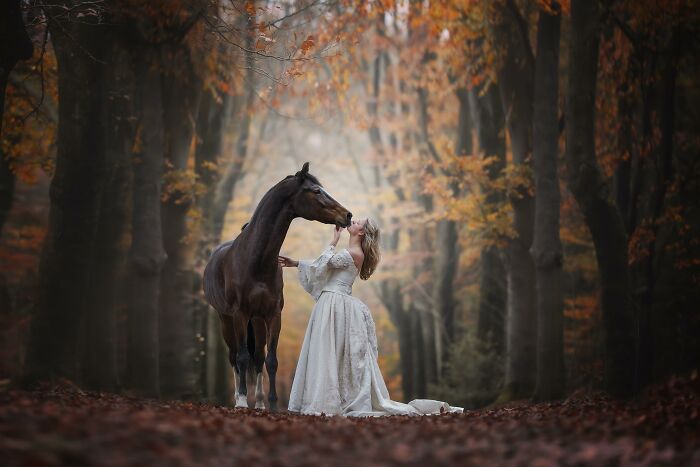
x=213, y=278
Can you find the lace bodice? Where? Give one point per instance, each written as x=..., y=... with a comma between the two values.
x=342, y=274
x=331, y=271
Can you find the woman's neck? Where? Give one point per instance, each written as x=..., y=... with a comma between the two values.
x=355, y=241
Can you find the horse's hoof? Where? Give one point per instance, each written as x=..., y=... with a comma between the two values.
x=241, y=401
x=260, y=405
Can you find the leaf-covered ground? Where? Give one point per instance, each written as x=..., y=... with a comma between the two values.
x=64, y=425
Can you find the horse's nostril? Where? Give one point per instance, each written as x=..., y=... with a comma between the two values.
x=349, y=215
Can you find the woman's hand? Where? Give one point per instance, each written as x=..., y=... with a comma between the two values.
x=287, y=262
x=336, y=235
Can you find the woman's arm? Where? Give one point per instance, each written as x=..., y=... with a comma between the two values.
x=287, y=262
x=336, y=235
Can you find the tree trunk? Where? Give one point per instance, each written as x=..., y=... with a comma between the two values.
x=418, y=352
x=74, y=204
x=447, y=259
x=178, y=353
x=594, y=198
x=661, y=177
x=447, y=240
x=107, y=273
x=7, y=176
x=546, y=248
x=7, y=188
x=516, y=84
x=15, y=45
x=422, y=319
x=625, y=143
x=422, y=241
x=489, y=122
x=147, y=254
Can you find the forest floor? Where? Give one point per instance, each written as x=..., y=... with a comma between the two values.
x=63, y=425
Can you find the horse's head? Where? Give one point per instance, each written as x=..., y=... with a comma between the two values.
x=312, y=202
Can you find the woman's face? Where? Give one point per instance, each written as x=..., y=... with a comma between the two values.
x=357, y=226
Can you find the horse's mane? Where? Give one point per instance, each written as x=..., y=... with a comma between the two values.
x=307, y=175
x=278, y=188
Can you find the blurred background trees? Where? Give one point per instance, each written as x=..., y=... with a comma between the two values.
x=532, y=163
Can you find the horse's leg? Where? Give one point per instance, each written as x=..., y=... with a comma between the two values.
x=240, y=325
x=230, y=338
x=260, y=330
x=273, y=333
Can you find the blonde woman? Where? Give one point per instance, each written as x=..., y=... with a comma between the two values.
x=337, y=372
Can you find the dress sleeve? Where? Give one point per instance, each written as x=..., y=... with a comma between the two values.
x=313, y=274
x=341, y=260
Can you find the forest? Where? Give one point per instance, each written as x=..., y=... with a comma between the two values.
x=533, y=166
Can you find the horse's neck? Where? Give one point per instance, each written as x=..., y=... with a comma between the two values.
x=268, y=229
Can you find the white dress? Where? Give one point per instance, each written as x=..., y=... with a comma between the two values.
x=337, y=372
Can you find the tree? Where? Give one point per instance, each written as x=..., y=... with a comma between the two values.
x=592, y=193
x=546, y=248
x=181, y=95
x=64, y=271
x=485, y=105
x=147, y=254
x=515, y=78
x=15, y=45
x=107, y=281
x=447, y=236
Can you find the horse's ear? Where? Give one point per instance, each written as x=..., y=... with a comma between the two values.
x=304, y=171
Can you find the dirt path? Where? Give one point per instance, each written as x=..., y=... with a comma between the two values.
x=66, y=426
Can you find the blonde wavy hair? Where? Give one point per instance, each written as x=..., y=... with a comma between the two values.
x=370, y=247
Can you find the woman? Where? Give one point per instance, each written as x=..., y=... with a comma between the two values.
x=337, y=371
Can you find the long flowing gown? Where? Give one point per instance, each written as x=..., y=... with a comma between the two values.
x=337, y=372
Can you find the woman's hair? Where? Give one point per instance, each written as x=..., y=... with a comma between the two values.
x=370, y=247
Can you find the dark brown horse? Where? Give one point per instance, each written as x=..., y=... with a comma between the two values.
x=243, y=281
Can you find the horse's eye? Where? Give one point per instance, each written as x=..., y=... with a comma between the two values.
x=316, y=190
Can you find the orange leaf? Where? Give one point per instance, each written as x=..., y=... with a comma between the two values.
x=307, y=44
x=250, y=8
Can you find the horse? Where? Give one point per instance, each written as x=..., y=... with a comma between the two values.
x=242, y=280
